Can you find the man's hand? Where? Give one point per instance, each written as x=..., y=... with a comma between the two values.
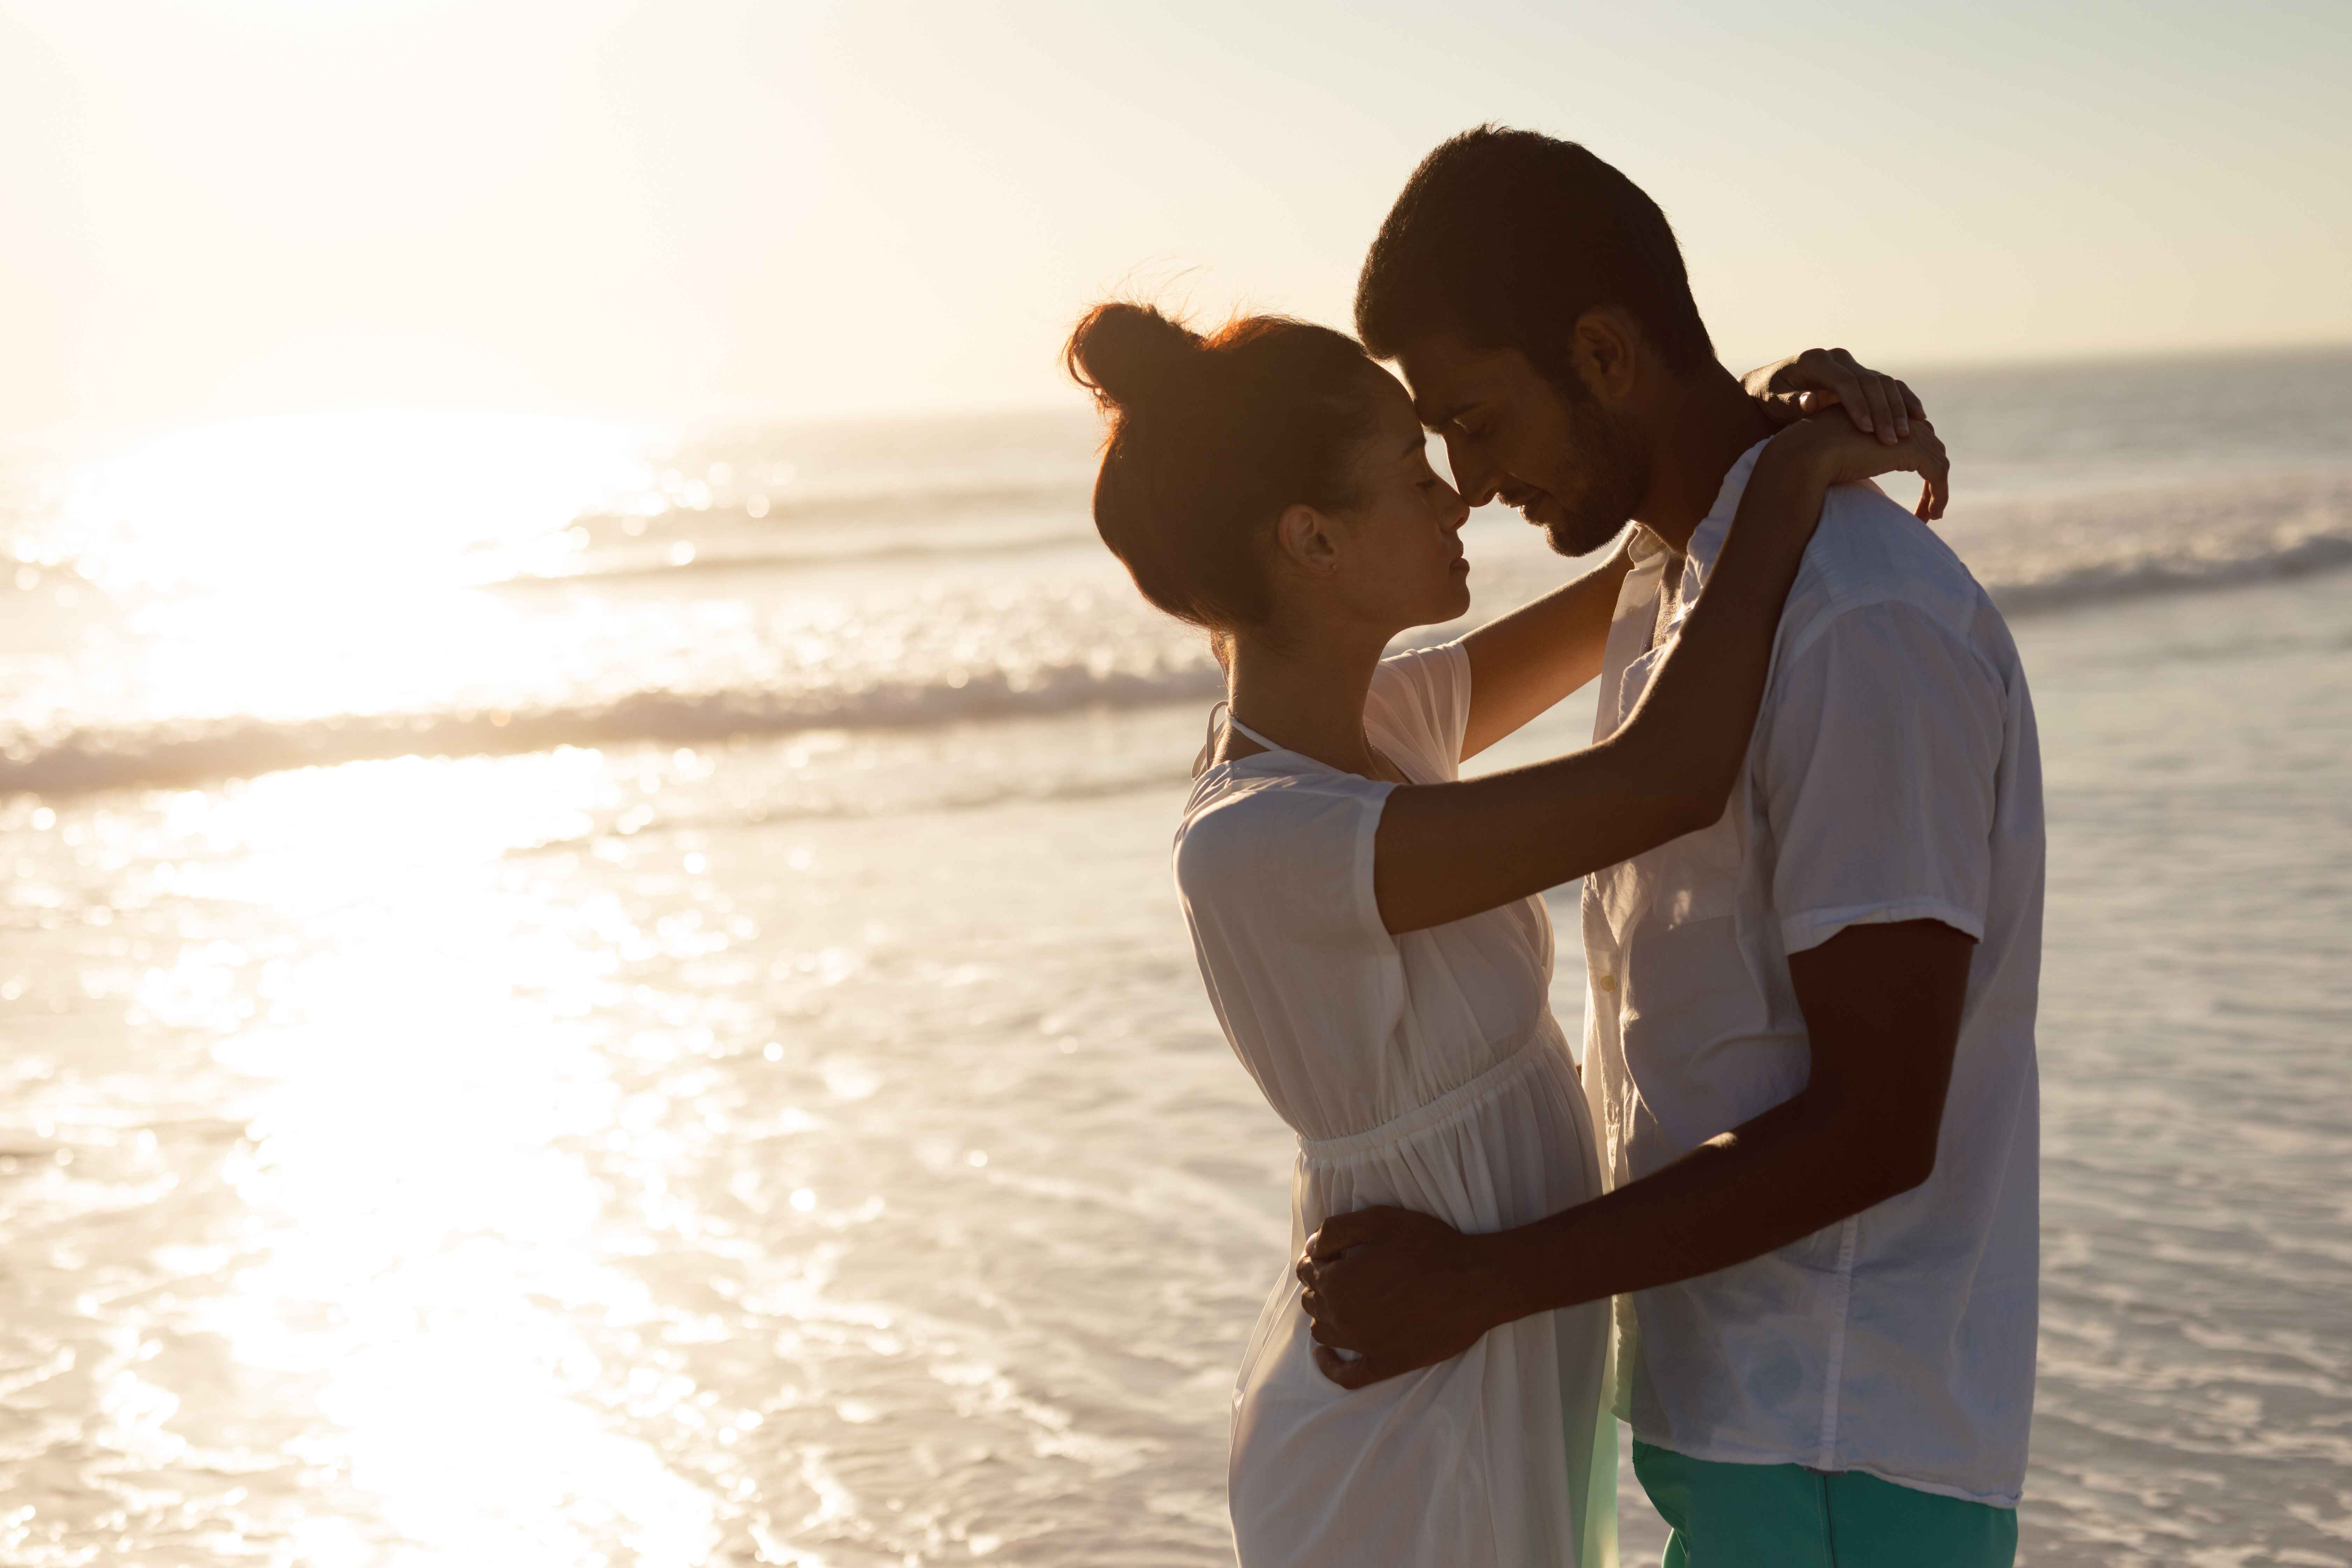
x=1400, y=1289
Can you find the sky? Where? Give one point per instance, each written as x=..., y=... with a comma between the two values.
x=687, y=208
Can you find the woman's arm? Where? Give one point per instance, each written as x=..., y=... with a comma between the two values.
x=1524, y=662
x=1805, y=384
x=1446, y=851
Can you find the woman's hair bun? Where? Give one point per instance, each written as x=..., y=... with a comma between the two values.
x=1127, y=354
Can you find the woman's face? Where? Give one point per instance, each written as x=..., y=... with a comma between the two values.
x=1400, y=560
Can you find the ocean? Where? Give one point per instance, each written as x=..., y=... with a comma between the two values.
x=581, y=997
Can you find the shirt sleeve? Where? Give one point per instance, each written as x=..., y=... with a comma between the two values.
x=1285, y=862
x=1422, y=697
x=1879, y=773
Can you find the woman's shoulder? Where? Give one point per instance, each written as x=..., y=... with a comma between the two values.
x=1242, y=818
x=1231, y=798
x=1287, y=855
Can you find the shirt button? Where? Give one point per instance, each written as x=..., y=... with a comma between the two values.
x=1607, y=982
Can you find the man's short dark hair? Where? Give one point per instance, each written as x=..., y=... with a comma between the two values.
x=1502, y=239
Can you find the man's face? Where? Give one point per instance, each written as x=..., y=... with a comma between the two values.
x=1569, y=465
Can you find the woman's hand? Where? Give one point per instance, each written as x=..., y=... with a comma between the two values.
x=1805, y=384
x=1840, y=454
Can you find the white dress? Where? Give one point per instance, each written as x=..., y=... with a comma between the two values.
x=1423, y=1071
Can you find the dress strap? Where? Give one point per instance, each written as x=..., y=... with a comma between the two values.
x=1252, y=734
x=1209, y=746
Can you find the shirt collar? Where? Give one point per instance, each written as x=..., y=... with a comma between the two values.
x=1644, y=549
x=1707, y=540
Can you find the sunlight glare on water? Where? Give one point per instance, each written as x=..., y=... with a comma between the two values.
x=390, y=501
x=324, y=563
x=662, y=1061
x=410, y=1153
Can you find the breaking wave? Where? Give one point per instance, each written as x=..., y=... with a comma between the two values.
x=191, y=751
x=2033, y=557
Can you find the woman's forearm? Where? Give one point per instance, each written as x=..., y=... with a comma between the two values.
x=1524, y=662
x=1444, y=851
x=1693, y=724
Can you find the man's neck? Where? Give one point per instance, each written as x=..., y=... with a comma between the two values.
x=1699, y=428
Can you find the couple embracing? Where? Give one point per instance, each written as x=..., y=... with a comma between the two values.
x=1783, y=1220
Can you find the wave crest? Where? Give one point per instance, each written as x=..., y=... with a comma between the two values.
x=2033, y=556
x=192, y=752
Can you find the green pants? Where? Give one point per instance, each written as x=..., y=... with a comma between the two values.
x=1785, y=1516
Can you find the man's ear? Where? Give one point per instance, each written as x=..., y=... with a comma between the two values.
x=1608, y=349
x=1305, y=538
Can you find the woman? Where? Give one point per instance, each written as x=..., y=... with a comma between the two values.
x=1372, y=931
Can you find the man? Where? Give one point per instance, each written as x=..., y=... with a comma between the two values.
x=1809, y=1045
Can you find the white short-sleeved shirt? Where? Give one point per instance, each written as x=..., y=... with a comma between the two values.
x=1895, y=776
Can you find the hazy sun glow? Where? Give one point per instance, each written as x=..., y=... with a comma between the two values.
x=689, y=209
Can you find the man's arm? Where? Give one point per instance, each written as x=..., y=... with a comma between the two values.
x=1882, y=1007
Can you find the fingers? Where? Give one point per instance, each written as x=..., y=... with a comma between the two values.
x=1843, y=381
x=1933, y=464
x=1878, y=404
x=1350, y=1372
x=1343, y=1232
x=1936, y=490
x=1880, y=398
x=1911, y=404
x=1898, y=406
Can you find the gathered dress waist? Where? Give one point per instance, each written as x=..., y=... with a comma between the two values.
x=1529, y=1057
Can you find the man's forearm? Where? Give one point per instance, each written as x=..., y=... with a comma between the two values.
x=1769, y=1181
x=1883, y=1005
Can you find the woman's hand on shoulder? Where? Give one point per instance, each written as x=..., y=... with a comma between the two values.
x=1805, y=384
x=1838, y=453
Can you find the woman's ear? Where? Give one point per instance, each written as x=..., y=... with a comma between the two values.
x=1305, y=538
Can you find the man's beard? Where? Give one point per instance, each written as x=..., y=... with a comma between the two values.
x=1616, y=476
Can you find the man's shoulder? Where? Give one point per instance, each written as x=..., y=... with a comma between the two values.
x=1869, y=551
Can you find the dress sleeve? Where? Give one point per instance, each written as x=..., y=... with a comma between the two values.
x=1423, y=698
x=1285, y=861
x=1879, y=774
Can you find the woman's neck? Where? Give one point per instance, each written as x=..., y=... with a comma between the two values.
x=1308, y=695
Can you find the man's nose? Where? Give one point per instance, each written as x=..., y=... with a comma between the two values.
x=1474, y=477
x=1461, y=514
